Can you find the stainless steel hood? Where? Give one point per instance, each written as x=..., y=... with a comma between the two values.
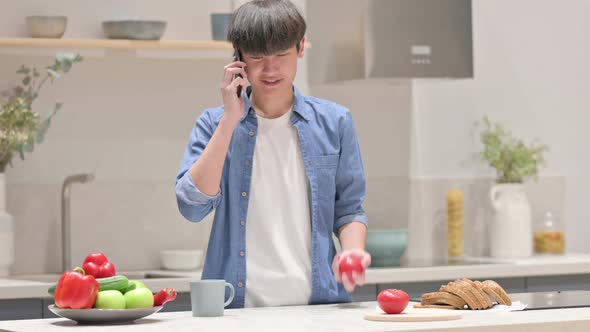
x=418, y=38
x=365, y=39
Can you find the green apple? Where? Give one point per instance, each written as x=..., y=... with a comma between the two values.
x=110, y=299
x=139, y=298
x=138, y=284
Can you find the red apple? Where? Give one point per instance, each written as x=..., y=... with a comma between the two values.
x=393, y=301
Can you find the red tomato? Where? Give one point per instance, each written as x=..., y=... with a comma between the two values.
x=393, y=301
x=350, y=263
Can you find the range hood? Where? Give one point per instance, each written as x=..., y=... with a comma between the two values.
x=375, y=39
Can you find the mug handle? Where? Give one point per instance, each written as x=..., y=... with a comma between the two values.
x=231, y=294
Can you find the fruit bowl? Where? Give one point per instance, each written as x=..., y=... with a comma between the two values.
x=103, y=316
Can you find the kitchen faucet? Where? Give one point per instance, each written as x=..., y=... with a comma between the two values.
x=65, y=217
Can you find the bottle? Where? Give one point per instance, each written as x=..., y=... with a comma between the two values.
x=455, y=224
x=549, y=237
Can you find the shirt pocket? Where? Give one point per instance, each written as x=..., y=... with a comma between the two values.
x=324, y=168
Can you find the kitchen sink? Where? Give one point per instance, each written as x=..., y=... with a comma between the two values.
x=131, y=275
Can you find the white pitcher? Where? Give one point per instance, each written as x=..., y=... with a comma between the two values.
x=6, y=232
x=511, y=231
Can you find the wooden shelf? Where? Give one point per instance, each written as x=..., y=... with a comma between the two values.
x=67, y=43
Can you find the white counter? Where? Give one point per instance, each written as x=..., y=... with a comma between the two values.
x=536, y=266
x=341, y=318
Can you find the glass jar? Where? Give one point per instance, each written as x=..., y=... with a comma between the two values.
x=549, y=237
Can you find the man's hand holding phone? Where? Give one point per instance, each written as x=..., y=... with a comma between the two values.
x=234, y=80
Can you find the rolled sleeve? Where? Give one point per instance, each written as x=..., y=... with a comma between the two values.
x=344, y=220
x=191, y=195
x=193, y=204
x=350, y=179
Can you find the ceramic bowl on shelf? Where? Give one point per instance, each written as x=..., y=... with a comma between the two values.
x=182, y=259
x=386, y=246
x=47, y=26
x=134, y=29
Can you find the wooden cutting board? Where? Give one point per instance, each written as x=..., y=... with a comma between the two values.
x=415, y=315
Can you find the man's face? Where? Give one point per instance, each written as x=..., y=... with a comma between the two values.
x=272, y=73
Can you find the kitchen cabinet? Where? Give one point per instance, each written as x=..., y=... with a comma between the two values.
x=20, y=309
x=182, y=303
x=365, y=293
x=558, y=283
x=45, y=311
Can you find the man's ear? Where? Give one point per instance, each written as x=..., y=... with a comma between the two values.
x=301, y=48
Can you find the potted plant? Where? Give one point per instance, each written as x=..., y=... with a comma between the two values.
x=21, y=128
x=515, y=162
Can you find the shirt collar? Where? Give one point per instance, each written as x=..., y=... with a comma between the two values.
x=299, y=105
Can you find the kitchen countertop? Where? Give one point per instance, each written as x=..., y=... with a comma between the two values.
x=538, y=265
x=338, y=317
x=486, y=268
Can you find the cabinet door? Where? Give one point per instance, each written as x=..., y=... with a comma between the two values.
x=46, y=313
x=20, y=309
x=182, y=303
x=558, y=283
x=365, y=293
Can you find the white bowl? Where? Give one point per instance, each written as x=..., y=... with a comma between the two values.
x=182, y=259
x=47, y=26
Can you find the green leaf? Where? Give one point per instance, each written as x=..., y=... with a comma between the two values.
x=21, y=126
x=29, y=147
x=513, y=160
x=23, y=70
x=53, y=73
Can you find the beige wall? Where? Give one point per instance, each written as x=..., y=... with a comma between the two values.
x=126, y=119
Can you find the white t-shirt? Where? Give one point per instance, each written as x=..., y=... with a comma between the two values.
x=278, y=226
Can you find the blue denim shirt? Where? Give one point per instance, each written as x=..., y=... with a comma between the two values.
x=333, y=165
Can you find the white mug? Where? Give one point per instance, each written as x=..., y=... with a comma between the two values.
x=208, y=297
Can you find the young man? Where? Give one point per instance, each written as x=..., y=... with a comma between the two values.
x=283, y=172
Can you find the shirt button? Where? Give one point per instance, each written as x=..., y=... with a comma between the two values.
x=242, y=253
x=247, y=162
x=242, y=223
x=244, y=194
x=251, y=133
x=240, y=284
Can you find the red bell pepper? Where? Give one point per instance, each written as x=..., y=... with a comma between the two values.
x=98, y=266
x=163, y=296
x=76, y=290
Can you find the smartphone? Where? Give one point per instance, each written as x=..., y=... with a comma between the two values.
x=238, y=57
